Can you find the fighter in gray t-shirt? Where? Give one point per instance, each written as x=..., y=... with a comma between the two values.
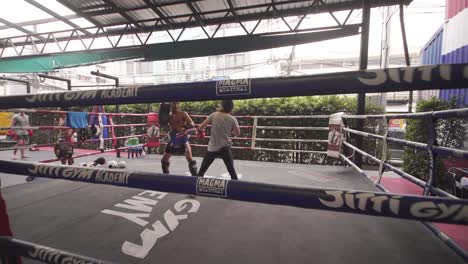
x=222, y=126
x=20, y=122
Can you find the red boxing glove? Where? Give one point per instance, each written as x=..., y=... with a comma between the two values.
x=11, y=134
x=200, y=134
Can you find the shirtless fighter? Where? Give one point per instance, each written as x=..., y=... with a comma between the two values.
x=181, y=126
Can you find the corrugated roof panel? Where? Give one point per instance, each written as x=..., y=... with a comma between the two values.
x=301, y=4
x=431, y=52
x=455, y=32
x=174, y=10
x=460, y=95
x=244, y=3
x=83, y=3
x=279, y=5
x=453, y=7
x=129, y=4
x=427, y=94
x=211, y=5
x=143, y=14
x=101, y=9
x=161, y=2
x=458, y=56
x=110, y=19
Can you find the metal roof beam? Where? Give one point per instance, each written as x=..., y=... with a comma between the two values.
x=161, y=15
x=195, y=12
x=22, y=29
x=41, y=21
x=288, y=12
x=28, y=84
x=197, y=16
x=128, y=31
x=123, y=13
x=57, y=16
x=334, y=7
x=148, y=5
x=232, y=9
x=85, y=8
x=230, y=19
x=81, y=14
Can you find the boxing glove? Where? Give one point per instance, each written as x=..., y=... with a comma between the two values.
x=112, y=164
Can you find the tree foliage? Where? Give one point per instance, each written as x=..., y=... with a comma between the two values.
x=449, y=133
x=313, y=105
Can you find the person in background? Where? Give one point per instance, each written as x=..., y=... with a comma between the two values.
x=20, y=125
x=64, y=147
x=223, y=124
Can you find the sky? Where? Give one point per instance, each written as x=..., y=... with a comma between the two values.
x=423, y=18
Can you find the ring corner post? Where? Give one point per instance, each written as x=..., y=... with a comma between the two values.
x=363, y=61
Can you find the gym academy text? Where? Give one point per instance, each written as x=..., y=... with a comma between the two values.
x=80, y=174
x=84, y=95
x=138, y=209
x=49, y=255
x=390, y=205
x=408, y=75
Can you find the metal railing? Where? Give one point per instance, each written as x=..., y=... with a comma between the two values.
x=432, y=149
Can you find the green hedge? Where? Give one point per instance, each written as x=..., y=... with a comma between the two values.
x=314, y=105
x=450, y=133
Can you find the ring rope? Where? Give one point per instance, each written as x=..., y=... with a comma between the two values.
x=66, y=127
x=347, y=201
x=431, y=141
x=356, y=82
x=363, y=173
x=15, y=247
x=403, y=174
x=44, y=111
x=446, y=239
x=84, y=141
x=384, y=150
x=461, y=112
x=93, y=153
x=422, y=146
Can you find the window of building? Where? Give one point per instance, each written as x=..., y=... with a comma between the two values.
x=144, y=67
x=130, y=68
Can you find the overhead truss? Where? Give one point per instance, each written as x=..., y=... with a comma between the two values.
x=165, y=18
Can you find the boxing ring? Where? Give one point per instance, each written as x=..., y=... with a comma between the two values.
x=138, y=215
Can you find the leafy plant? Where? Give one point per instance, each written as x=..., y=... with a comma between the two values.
x=449, y=133
x=312, y=105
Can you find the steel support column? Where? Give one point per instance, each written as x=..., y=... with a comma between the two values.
x=363, y=60
x=407, y=58
x=117, y=109
x=28, y=84
x=69, y=87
